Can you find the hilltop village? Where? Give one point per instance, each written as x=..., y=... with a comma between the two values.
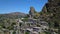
x=27, y=25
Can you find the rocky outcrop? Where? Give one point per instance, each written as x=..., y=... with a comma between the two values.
x=52, y=8
x=31, y=12
x=51, y=12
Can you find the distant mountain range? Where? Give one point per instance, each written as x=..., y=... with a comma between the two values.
x=13, y=15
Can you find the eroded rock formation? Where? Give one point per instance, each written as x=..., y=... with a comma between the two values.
x=31, y=12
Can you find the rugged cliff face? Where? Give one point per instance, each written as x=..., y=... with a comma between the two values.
x=53, y=6
x=51, y=12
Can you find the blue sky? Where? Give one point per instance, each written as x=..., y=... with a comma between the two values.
x=7, y=6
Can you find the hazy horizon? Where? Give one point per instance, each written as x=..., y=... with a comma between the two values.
x=9, y=6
